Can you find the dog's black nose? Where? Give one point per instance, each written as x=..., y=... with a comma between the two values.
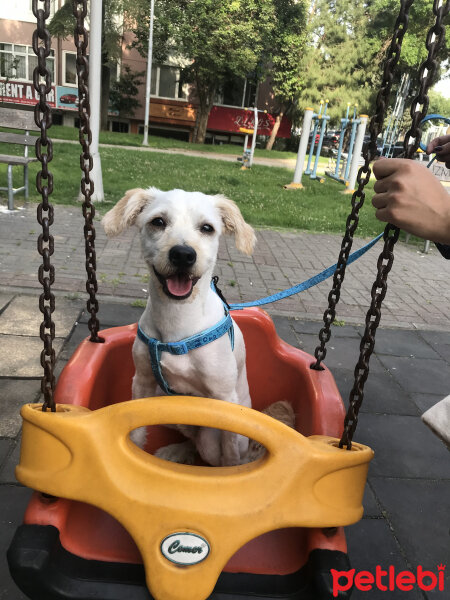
x=182, y=256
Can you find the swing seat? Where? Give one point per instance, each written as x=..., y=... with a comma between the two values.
x=111, y=521
x=246, y=130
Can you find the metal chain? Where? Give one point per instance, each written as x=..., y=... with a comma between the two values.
x=419, y=109
x=42, y=82
x=363, y=177
x=86, y=163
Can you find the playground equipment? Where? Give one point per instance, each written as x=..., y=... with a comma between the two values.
x=392, y=129
x=249, y=128
x=346, y=172
x=113, y=504
x=445, y=121
x=76, y=444
x=310, y=118
x=341, y=171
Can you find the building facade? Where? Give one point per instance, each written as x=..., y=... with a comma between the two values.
x=172, y=105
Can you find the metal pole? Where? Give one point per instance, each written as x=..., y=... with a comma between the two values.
x=149, y=74
x=356, y=154
x=95, y=77
x=301, y=154
x=355, y=124
x=319, y=145
x=255, y=132
x=344, y=123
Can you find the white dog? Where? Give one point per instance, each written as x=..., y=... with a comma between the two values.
x=180, y=234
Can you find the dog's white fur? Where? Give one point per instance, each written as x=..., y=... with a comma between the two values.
x=214, y=370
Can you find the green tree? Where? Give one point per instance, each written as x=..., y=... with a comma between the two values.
x=337, y=65
x=349, y=41
x=123, y=92
x=439, y=105
x=286, y=52
x=63, y=24
x=220, y=38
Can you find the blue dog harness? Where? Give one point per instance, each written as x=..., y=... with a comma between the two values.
x=155, y=347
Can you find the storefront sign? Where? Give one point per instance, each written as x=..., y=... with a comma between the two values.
x=20, y=92
x=440, y=171
x=223, y=118
x=67, y=97
x=176, y=112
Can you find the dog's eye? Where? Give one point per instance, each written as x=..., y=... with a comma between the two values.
x=207, y=228
x=158, y=222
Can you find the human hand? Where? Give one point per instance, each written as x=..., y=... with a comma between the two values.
x=440, y=146
x=409, y=196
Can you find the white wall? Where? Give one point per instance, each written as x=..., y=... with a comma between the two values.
x=19, y=10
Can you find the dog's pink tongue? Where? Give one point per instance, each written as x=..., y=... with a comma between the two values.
x=179, y=285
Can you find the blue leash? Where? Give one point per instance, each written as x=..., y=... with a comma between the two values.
x=301, y=287
x=433, y=117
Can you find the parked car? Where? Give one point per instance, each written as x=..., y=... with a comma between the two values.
x=316, y=141
x=69, y=99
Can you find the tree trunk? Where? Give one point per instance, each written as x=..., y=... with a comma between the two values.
x=273, y=133
x=201, y=125
x=206, y=101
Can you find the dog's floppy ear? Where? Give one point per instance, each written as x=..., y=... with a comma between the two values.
x=234, y=223
x=126, y=211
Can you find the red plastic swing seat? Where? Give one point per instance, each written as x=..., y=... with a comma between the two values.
x=100, y=374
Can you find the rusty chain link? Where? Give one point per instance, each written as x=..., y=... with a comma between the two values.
x=418, y=111
x=363, y=177
x=42, y=82
x=86, y=163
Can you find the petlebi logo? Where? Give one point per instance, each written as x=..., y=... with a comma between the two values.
x=185, y=548
x=389, y=580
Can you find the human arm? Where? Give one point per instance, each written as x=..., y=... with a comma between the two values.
x=441, y=147
x=409, y=196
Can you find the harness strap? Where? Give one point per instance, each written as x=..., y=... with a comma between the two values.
x=198, y=340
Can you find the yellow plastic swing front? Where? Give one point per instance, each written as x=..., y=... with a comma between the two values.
x=88, y=456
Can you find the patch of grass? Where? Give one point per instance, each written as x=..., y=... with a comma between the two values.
x=258, y=192
x=131, y=139
x=338, y=323
x=139, y=303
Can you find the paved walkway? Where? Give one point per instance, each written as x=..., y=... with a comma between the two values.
x=407, y=513
x=418, y=294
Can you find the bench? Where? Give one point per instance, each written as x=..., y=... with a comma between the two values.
x=11, y=118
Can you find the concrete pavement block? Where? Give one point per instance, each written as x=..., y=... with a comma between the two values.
x=404, y=447
x=370, y=542
x=13, y=394
x=21, y=355
x=5, y=299
x=419, y=375
x=7, y=473
x=13, y=502
x=23, y=317
x=420, y=522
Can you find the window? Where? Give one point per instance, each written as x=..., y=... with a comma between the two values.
x=167, y=82
x=237, y=92
x=69, y=74
x=69, y=68
x=21, y=10
x=119, y=127
x=18, y=62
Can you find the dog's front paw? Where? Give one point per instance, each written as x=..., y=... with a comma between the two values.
x=183, y=453
x=139, y=436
